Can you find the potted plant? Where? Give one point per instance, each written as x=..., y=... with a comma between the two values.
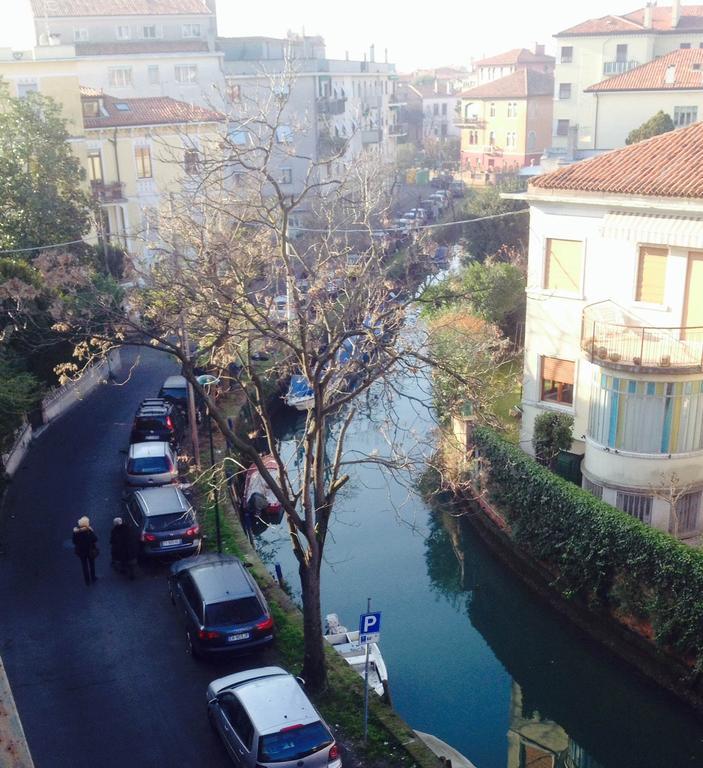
x=602, y=352
x=614, y=356
x=665, y=361
x=637, y=360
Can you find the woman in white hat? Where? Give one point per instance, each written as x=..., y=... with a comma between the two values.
x=85, y=545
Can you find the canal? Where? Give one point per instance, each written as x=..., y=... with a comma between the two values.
x=473, y=656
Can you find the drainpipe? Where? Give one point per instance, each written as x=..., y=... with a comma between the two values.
x=113, y=141
x=595, y=125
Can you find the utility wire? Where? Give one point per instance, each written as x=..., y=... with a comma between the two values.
x=307, y=229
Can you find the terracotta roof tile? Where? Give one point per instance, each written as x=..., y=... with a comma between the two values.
x=518, y=85
x=668, y=165
x=690, y=19
x=86, y=90
x=159, y=110
x=139, y=46
x=62, y=8
x=657, y=75
x=515, y=56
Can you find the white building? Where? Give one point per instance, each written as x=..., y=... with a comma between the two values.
x=607, y=46
x=503, y=64
x=138, y=48
x=671, y=83
x=614, y=332
x=329, y=104
x=440, y=102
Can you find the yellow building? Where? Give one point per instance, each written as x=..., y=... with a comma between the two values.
x=138, y=151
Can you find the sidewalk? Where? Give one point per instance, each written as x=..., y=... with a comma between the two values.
x=14, y=750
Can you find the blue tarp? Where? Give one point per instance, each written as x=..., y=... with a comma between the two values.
x=299, y=386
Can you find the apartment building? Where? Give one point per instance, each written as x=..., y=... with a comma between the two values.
x=672, y=83
x=609, y=46
x=506, y=123
x=138, y=48
x=438, y=100
x=614, y=330
x=503, y=64
x=329, y=105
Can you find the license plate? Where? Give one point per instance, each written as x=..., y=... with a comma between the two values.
x=171, y=543
x=238, y=636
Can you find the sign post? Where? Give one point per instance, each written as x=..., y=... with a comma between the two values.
x=369, y=632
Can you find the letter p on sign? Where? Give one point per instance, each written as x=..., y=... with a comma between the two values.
x=369, y=628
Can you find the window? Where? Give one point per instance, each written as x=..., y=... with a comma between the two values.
x=564, y=90
x=80, y=35
x=562, y=127
x=492, y=109
x=123, y=32
x=186, y=73
x=593, y=488
x=91, y=107
x=651, y=275
x=284, y=134
x=444, y=109
x=142, y=156
x=635, y=504
x=567, y=54
x=492, y=138
x=24, y=89
x=191, y=30
x=512, y=109
x=621, y=53
x=234, y=92
x=563, y=265
x=120, y=77
x=149, y=31
x=511, y=139
x=531, y=141
x=685, y=518
x=238, y=719
x=557, y=381
x=685, y=116
x=238, y=137
x=153, y=74
x=286, y=175
x=435, y=109
x=685, y=46
x=191, y=161
x=95, y=166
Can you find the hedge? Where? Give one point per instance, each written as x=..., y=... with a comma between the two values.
x=596, y=552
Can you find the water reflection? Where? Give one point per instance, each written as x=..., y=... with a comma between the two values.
x=571, y=706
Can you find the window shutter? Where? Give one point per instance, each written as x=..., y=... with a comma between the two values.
x=554, y=369
x=563, y=269
x=651, y=275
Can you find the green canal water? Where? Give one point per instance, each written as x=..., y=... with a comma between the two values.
x=473, y=656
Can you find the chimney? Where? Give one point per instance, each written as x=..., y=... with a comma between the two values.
x=539, y=49
x=648, y=16
x=372, y=53
x=675, y=13
x=670, y=74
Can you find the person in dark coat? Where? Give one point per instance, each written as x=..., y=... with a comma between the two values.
x=118, y=544
x=85, y=546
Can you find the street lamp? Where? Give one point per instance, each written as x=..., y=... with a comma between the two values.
x=205, y=381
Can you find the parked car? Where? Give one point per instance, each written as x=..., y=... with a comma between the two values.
x=441, y=181
x=419, y=214
x=457, y=188
x=440, y=199
x=431, y=209
x=265, y=720
x=164, y=521
x=152, y=463
x=222, y=606
x=175, y=389
x=160, y=423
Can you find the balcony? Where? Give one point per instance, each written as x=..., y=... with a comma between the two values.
x=493, y=150
x=329, y=145
x=469, y=122
x=614, y=338
x=618, y=67
x=398, y=130
x=371, y=136
x=329, y=106
x=108, y=193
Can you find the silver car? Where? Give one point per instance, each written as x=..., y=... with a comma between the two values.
x=266, y=721
x=152, y=463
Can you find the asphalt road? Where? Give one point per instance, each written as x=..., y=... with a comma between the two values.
x=99, y=673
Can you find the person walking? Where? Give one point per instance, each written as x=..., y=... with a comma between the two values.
x=85, y=545
x=118, y=544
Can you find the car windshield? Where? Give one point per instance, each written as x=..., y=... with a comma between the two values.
x=231, y=612
x=294, y=743
x=150, y=423
x=175, y=393
x=149, y=465
x=171, y=522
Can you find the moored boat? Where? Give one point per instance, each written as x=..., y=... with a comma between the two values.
x=258, y=497
x=300, y=395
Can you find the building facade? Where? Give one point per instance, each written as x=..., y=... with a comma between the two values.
x=503, y=64
x=506, y=124
x=606, y=47
x=614, y=328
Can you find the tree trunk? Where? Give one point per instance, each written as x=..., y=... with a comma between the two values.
x=314, y=670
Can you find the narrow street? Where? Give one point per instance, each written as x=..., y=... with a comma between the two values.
x=99, y=673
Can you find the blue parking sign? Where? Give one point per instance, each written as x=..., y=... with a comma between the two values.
x=369, y=628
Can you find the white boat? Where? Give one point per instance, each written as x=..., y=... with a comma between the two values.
x=300, y=395
x=347, y=645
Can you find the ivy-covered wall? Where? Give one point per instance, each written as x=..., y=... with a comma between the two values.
x=596, y=552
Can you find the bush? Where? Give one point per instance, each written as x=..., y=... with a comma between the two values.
x=552, y=434
x=597, y=552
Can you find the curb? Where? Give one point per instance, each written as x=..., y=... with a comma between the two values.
x=14, y=750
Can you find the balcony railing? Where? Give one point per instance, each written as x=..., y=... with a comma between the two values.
x=492, y=149
x=370, y=136
x=329, y=106
x=469, y=122
x=643, y=347
x=618, y=67
x=330, y=146
x=108, y=193
x=398, y=130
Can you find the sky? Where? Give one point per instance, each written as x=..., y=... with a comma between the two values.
x=417, y=33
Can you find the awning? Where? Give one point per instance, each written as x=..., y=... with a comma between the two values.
x=654, y=229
